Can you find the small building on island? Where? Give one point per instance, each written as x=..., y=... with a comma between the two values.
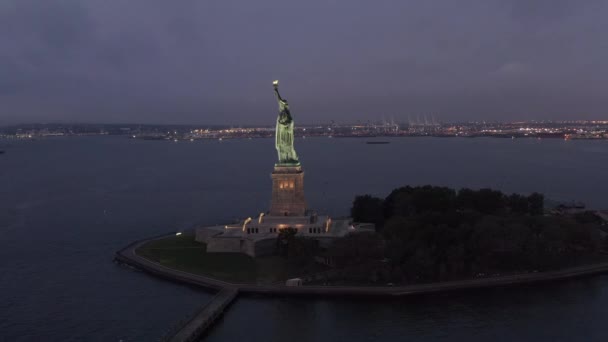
x=257, y=236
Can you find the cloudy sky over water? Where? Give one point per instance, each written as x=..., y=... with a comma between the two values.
x=213, y=61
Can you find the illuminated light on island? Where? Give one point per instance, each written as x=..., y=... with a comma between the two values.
x=246, y=222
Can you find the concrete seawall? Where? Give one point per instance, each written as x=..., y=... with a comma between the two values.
x=409, y=290
x=128, y=256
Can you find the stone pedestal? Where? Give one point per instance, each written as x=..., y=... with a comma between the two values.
x=287, y=191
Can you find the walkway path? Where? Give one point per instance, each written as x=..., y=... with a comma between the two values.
x=194, y=329
x=129, y=257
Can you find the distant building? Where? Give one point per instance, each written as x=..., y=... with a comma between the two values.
x=569, y=208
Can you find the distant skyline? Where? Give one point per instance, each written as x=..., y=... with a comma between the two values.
x=212, y=62
x=271, y=124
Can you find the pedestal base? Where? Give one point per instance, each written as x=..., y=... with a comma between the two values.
x=287, y=191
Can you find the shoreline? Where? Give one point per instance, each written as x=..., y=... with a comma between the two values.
x=128, y=256
x=227, y=293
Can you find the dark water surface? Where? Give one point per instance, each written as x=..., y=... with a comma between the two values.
x=571, y=311
x=67, y=204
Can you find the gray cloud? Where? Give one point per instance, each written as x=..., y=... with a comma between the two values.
x=212, y=61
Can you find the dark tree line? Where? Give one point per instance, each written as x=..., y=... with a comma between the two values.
x=410, y=201
x=436, y=233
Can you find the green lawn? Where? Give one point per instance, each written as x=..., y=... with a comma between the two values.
x=185, y=254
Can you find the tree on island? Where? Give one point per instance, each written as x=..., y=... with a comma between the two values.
x=299, y=251
x=284, y=238
x=367, y=209
x=411, y=201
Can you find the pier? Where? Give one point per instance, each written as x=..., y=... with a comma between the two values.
x=196, y=327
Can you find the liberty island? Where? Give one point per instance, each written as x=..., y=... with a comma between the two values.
x=355, y=255
x=397, y=225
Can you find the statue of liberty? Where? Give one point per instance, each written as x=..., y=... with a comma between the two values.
x=284, y=131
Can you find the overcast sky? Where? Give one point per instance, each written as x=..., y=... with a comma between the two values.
x=213, y=61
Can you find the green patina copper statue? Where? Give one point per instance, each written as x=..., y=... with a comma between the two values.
x=284, y=131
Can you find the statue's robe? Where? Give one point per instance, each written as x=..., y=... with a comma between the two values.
x=284, y=141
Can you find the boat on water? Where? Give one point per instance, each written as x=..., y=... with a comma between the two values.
x=377, y=142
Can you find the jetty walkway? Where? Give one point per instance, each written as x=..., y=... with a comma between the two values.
x=194, y=329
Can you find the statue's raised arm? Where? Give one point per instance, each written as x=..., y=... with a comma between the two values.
x=275, y=84
x=284, y=113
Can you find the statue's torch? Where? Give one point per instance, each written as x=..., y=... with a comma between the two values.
x=275, y=83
